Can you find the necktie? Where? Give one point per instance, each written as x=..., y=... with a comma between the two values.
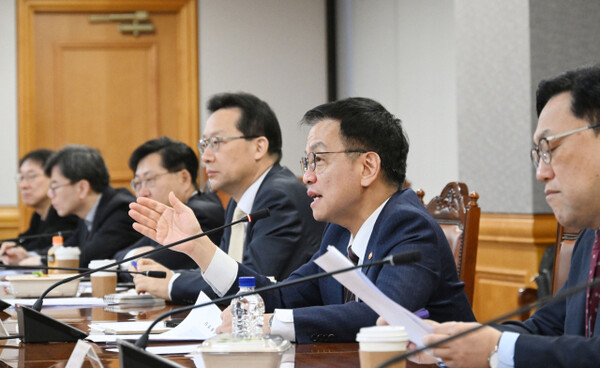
x=348, y=295
x=236, y=241
x=593, y=294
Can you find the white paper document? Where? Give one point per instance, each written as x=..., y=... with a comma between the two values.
x=126, y=328
x=365, y=290
x=200, y=324
x=63, y=302
x=164, y=350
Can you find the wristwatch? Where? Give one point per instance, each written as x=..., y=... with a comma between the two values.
x=493, y=358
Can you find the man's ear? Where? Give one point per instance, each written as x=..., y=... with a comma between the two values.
x=184, y=176
x=261, y=147
x=371, y=167
x=83, y=188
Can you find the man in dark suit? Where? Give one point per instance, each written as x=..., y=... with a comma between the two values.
x=161, y=166
x=79, y=185
x=354, y=168
x=241, y=149
x=33, y=186
x=565, y=155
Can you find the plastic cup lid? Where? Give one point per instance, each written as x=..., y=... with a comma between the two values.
x=382, y=334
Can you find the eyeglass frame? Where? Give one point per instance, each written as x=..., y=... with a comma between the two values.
x=27, y=177
x=305, y=161
x=52, y=188
x=212, y=141
x=150, y=182
x=546, y=153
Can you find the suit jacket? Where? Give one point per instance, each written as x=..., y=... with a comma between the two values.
x=52, y=224
x=432, y=283
x=554, y=336
x=274, y=246
x=111, y=228
x=210, y=213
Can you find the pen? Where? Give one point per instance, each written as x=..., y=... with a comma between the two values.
x=422, y=313
x=134, y=263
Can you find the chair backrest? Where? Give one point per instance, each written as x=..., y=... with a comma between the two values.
x=565, y=241
x=458, y=214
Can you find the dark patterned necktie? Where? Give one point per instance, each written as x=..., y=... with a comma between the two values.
x=348, y=295
x=593, y=293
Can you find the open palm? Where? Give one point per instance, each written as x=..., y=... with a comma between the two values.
x=165, y=224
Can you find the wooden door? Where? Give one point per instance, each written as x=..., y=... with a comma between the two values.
x=87, y=83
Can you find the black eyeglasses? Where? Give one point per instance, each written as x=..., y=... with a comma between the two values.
x=311, y=160
x=543, y=150
x=215, y=142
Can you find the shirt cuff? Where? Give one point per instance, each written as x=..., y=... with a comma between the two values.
x=171, y=282
x=221, y=273
x=506, y=349
x=283, y=324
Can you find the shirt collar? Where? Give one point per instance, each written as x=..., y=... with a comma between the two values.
x=360, y=242
x=249, y=195
x=89, y=218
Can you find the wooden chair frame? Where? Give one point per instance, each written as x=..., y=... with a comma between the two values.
x=565, y=242
x=458, y=209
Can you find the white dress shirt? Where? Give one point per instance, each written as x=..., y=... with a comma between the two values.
x=222, y=271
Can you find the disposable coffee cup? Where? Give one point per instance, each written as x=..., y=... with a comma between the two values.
x=379, y=344
x=67, y=257
x=103, y=282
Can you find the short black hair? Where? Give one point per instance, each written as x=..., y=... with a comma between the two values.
x=78, y=163
x=584, y=86
x=365, y=124
x=40, y=156
x=175, y=156
x=257, y=117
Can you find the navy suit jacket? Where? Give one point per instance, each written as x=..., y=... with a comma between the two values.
x=432, y=283
x=210, y=213
x=274, y=246
x=554, y=336
x=111, y=228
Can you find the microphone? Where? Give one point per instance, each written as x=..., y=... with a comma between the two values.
x=154, y=274
x=37, y=327
x=526, y=308
x=403, y=258
x=394, y=260
x=21, y=239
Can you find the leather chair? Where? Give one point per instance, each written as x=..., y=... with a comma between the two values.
x=565, y=241
x=458, y=214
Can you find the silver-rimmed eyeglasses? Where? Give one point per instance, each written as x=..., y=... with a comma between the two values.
x=137, y=183
x=215, y=142
x=27, y=177
x=53, y=187
x=311, y=160
x=543, y=150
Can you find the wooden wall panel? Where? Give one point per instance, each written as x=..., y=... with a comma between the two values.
x=9, y=222
x=509, y=254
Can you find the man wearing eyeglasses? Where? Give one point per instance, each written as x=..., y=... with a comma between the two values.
x=161, y=166
x=241, y=150
x=565, y=333
x=33, y=186
x=355, y=170
x=79, y=185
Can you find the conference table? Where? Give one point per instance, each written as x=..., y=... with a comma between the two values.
x=14, y=353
